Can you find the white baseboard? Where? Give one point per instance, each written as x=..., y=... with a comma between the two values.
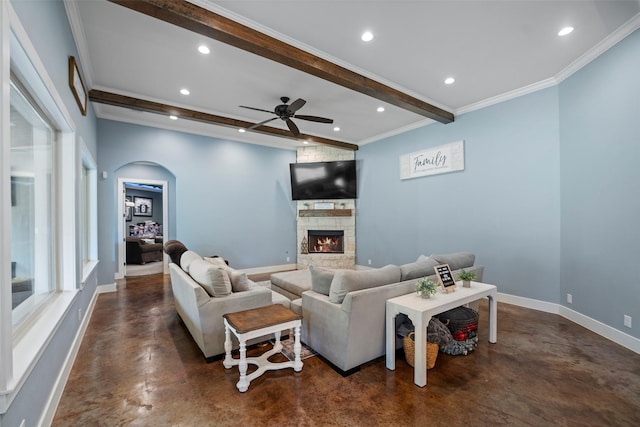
x=269, y=269
x=606, y=331
x=61, y=381
x=101, y=289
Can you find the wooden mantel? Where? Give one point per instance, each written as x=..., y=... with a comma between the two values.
x=303, y=213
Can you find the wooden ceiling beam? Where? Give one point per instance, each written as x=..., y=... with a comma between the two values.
x=109, y=98
x=204, y=22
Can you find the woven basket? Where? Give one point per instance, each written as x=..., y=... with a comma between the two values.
x=410, y=350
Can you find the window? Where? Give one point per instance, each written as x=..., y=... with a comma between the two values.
x=32, y=186
x=39, y=173
x=88, y=213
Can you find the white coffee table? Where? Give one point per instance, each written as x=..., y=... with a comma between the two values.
x=420, y=311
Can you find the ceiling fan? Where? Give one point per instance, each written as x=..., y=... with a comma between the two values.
x=286, y=112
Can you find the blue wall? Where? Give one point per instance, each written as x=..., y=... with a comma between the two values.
x=547, y=199
x=231, y=199
x=600, y=149
x=504, y=206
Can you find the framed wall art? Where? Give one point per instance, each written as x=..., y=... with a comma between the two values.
x=127, y=217
x=77, y=85
x=142, y=206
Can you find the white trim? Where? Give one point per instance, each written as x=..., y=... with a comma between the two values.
x=103, y=289
x=120, y=271
x=51, y=406
x=6, y=327
x=29, y=348
x=593, y=325
x=77, y=29
x=268, y=269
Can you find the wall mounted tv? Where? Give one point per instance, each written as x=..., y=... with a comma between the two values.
x=323, y=180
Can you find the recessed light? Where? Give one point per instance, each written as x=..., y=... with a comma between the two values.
x=367, y=36
x=449, y=80
x=565, y=31
x=336, y=129
x=203, y=49
x=172, y=117
x=185, y=91
x=242, y=130
x=380, y=109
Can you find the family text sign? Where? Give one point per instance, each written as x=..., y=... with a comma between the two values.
x=436, y=160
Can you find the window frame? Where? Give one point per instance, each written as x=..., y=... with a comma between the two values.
x=21, y=350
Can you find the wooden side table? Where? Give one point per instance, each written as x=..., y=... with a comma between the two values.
x=257, y=322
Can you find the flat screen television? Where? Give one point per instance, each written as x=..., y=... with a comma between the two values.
x=323, y=180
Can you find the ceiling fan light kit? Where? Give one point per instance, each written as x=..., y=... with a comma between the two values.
x=285, y=112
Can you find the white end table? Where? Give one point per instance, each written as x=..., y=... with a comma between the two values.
x=258, y=322
x=420, y=310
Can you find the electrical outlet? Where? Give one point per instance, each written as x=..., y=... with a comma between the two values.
x=369, y=262
x=627, y=321
x=80, y=314
x=569, y=299
x=288, y=259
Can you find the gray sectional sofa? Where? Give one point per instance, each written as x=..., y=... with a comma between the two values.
x=344, y=310
x=205, y=289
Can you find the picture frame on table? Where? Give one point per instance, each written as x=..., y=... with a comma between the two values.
x=77, y=85
x=142, y=206
x=445, y=277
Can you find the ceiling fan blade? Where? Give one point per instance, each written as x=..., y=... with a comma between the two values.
x=293, y=128
x=261, y=123
x=257, y=109
x=314, y=119
x=296, y=105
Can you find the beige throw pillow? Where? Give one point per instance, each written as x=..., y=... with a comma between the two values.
x=213, y=279
x=239, y=281
x=321, y=280
x=187, y=258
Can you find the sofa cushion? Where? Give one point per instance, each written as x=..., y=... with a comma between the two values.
x=421, y=268
x=175, y=249
x=187, y=258
x=345, y=281
x=239, y=281
x=213, y=279
x=456, y=260
x=321, y=280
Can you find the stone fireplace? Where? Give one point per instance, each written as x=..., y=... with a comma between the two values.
x=326, y=233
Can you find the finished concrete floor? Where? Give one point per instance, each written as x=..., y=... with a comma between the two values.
x=138, y=366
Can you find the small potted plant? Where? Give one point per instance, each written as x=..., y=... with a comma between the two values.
x=466, y=277
x=426, y=287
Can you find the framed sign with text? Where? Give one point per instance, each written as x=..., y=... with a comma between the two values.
x=445, y=278
x=433, y=161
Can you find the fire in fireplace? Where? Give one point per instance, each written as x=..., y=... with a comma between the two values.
x=326, y=241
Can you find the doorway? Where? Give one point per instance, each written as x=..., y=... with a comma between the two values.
x=140, y=219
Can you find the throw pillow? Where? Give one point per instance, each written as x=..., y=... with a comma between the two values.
x=239, y=281
x=213, y=279
x=345, y=281
x=320, y=280
x=148, y=241
x=456, y=260
x=216, y=260
x=421, y=268
x=187, y=258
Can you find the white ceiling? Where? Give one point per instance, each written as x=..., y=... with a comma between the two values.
x=495, y=50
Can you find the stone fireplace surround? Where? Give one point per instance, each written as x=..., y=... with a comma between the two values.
x=342, y=217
